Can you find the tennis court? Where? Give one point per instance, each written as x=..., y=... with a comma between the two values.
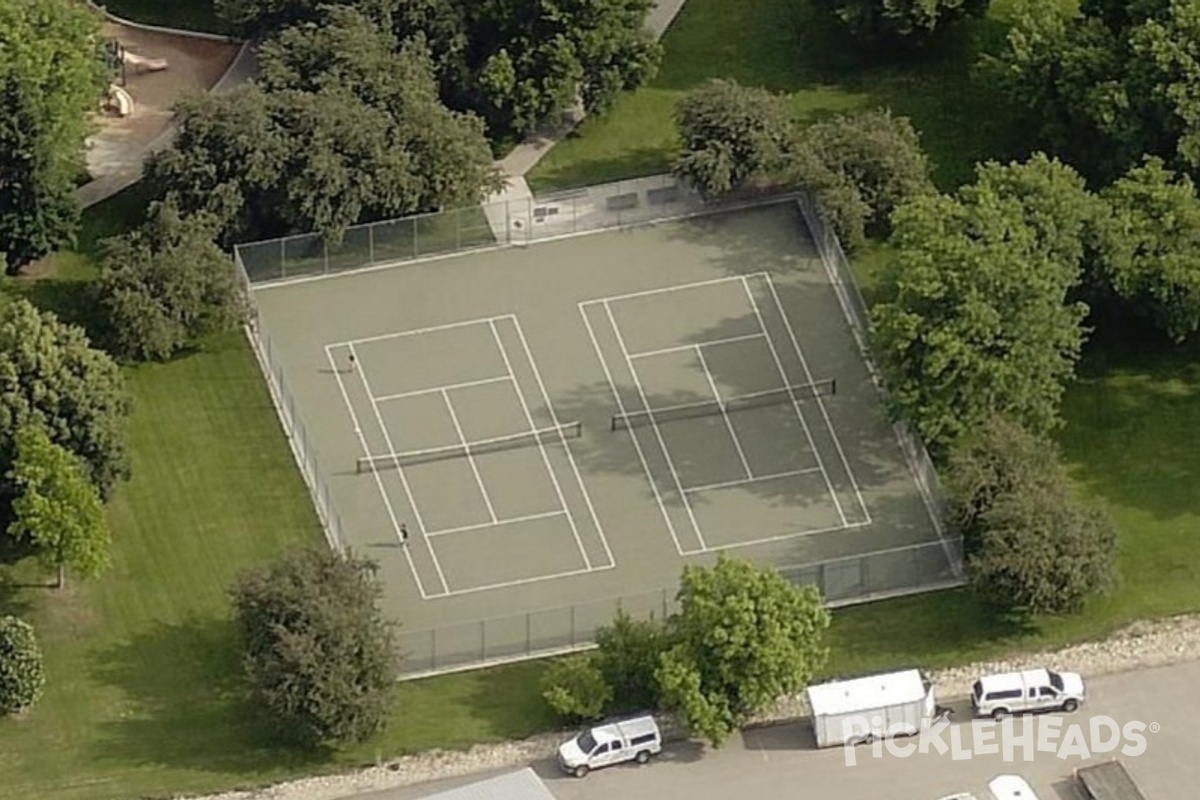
x=553, y=426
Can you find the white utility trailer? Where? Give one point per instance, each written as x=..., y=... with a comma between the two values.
x=875, y=707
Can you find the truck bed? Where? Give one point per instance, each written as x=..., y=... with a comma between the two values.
x=1109, y=781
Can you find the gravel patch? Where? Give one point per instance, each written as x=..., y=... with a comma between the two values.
x=1141, y=645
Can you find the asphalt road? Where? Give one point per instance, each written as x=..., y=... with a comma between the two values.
x=780, y=763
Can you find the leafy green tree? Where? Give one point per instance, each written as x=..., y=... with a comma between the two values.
x=267, y=16
x=1033, y=547
x=51, y=377
x=318, y=653
x=731, y=134
x=51, y=77
x=56, y=508
x=226, y=160
x=743, y=638
x=432, y=157
x=1149, y=251
x=627, y=655
x=22, y=675
x=575, y=688
x=861, y=167
x=166, y=285
x=899, y=20
x=1114, y=82
x=974, y=317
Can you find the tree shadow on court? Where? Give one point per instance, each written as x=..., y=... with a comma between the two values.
x=188, y=704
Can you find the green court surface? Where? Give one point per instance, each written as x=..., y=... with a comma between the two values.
x=678, y=391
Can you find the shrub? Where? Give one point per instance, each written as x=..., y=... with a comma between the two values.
x=22, y=675
x=575, y=688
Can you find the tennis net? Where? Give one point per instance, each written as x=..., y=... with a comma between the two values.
x=570, y=430
x=771, y=397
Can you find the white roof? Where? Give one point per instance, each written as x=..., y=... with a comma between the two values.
x=1011, y=787
x=859, y=694
x=523, y=785
x=1015, y=680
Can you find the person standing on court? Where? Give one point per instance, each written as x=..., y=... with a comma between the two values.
x=403, y=534
x=352, y=360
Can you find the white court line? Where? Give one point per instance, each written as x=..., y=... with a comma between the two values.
x=664, y=290
x=487, y=501
x=795, y=401
x=447, y=388
x=637, y=382
x=498, y=523
x=399, y=334
x=820, y=404
x=587, y=498
x=710, y=342
x=374, y=470
x=637, y=446
x=724, y=416
x=387, y=438
x=744, y=481
x=562, y=500
x=522, y=582
x=781, y=537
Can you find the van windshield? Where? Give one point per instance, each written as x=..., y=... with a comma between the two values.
x=585, y=741
x=1056, y=681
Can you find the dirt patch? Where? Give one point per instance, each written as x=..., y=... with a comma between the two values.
x=192, y=65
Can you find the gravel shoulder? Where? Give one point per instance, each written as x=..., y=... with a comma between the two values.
x=1141, y=645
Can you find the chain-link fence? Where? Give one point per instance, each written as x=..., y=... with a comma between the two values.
x=289, y=417
x=506, y=222
x=886, y=573
x=855, y=308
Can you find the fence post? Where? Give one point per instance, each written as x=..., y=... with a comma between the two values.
x=458, y=229
x=433, y=648
x=416, y=247
x=371, y=243
x=325, y=255
x=572, y=625
x=483, y=640
x=282, y=257
x=528, y=632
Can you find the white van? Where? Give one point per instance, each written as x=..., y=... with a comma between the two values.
x=998, y=696
x=628, y=740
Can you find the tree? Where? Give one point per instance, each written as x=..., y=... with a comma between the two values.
x=22, y=676
x=974, y=317
x=575, y=688
x=1032, y=547
x=1149, y=251
x=1110, y=84
x=627, y=655
x=432, y=157
x=57, y=508
x=860, y=167
x=226, y=160
x=166, y=285
x=730, y=135
x=51, y=77
x=898, y=20
x=743, y=638
x=51, y=377
x=318, y=653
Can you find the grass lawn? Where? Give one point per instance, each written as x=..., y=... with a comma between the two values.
x=770, y=43
x=186, y=15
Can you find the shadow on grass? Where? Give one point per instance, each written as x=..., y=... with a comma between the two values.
x=191, y=709
x=1128, y=418
x=632, y=163
x=933, y=630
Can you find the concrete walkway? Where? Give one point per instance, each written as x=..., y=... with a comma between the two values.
x=526, y=155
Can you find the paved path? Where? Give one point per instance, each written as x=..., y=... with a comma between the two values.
x=526, y=155
x=780, y=763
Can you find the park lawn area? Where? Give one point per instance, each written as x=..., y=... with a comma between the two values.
x=185, y=15
x=777, y=45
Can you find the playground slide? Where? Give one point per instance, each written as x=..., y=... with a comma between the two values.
x=148, y=64
x=120, y=100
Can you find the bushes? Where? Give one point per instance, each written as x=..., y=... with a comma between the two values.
x=22, y=676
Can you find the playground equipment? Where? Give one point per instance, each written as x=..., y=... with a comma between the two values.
x=118, y=100
x=142, y=62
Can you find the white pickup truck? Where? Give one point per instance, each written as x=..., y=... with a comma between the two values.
x=628, y=740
